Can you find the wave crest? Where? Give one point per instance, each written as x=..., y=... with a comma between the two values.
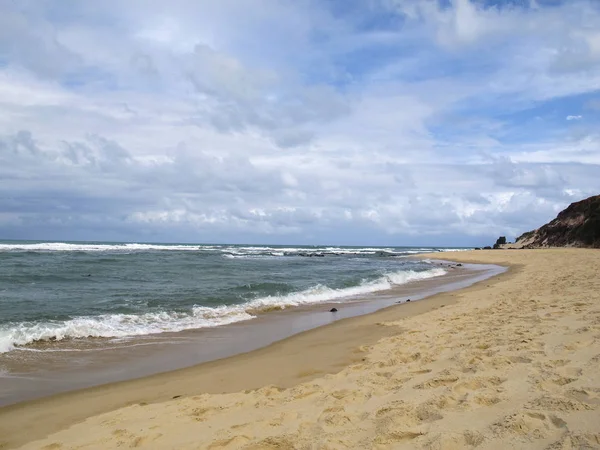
x=227, y=250
x=128, y=325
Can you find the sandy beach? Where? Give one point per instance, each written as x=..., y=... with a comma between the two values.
x=511, y=362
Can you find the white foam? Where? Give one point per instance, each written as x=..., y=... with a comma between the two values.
x=320, y=294
x=226, y=249
x=124, y=325
x=290, y=251
x=119, y=325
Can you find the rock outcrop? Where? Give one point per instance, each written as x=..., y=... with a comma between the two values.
x=500, y=242
x=576, y=226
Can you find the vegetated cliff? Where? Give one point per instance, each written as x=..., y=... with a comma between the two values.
x=576, y=226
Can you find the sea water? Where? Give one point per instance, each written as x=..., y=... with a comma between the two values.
x=60, y=291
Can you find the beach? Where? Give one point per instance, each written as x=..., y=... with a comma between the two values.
x=46, y=367
x=510, y=362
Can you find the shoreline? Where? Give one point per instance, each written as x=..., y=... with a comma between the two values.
x=64, y=371
x=332, y=347
x=510, y=362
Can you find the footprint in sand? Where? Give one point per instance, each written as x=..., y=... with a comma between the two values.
x=201, y=414
x=273, y=442
x=304, y=391
x=396, y=417
x=556, y=363
x=574, y=346
x=466, y=439
x=557, y=403
x=137, y=442
x=478, y=384
x=576, y=441
x=529, y=425
x=428, y=412
x=595, y=360
x=589, y=396
x=234, y=442
x=394, y=438
x=487, y=399
x=519, y=359
x=445, y=378
x=133, y=440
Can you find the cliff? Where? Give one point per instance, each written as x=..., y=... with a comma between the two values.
x=576, y=226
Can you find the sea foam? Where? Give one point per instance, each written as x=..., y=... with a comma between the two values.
x=225, y=249
x=129, y=325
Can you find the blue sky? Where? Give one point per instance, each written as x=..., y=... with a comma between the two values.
x=379, y=122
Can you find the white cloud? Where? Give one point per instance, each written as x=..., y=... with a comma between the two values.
x=233, y=120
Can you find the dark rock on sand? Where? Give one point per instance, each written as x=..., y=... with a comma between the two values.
x=499, y=242
x=333, y=310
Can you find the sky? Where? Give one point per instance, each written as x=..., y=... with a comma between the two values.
x=373, y=122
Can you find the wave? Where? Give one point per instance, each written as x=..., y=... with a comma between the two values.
x=308, y=251
x=119, y=325
x=225, y=249
x=321, y=294
x=129, y=325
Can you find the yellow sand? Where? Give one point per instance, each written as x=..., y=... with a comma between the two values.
x=513, y=365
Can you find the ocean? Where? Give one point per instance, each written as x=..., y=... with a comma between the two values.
x=73, y=291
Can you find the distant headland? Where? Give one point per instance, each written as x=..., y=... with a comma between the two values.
x=576, y=226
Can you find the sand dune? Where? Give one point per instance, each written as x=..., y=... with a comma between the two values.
x=512, y=363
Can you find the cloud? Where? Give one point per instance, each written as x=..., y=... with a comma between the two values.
x=390, y=121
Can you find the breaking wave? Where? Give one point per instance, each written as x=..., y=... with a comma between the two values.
x=227, y=250
x=128, y=325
